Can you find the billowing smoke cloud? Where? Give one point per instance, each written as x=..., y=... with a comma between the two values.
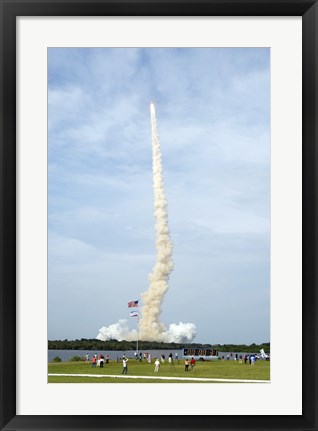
x=117, y=331
x=150, y=327
x=180, y=333
x=177, y=333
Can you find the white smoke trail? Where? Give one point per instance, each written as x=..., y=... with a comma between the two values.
x=150, y=327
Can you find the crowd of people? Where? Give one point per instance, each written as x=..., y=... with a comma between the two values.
x=99, y=360
x=247, y=358
x=189, y=364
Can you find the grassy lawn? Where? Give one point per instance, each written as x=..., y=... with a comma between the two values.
x=60, y=379
x=214, y=369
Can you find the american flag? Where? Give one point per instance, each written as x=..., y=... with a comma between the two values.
x=134, y=314
x=133, y=304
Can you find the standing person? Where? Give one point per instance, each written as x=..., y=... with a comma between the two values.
x=93, y=362
x=177, y=357
x=252, y=360
x=157, y=365
x=87, y=357
x=192, y=363
x=101, y=361
x=186, y=365
x=125, y=367
x=149, y=358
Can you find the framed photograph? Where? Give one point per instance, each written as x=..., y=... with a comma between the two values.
x=233, y=87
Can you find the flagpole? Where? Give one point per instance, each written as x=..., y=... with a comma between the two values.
x=133, y=314
x=137, y=331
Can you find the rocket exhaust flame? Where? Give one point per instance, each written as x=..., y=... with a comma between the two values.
x=150, y=327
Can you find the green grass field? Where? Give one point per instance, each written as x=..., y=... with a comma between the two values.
x=215, y=369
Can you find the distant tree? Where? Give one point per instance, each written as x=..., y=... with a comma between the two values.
x=94, y=344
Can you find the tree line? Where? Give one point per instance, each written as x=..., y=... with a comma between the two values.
x=94, y=344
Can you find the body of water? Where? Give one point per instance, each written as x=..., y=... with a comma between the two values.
x=66, y=355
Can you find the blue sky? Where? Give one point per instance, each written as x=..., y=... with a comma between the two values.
x=213, y=114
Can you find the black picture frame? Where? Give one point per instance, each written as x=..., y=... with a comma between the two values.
x=10, y=9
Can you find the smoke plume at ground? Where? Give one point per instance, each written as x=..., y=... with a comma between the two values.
x=176, y=333
x=117, y=331
x=150, y=327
